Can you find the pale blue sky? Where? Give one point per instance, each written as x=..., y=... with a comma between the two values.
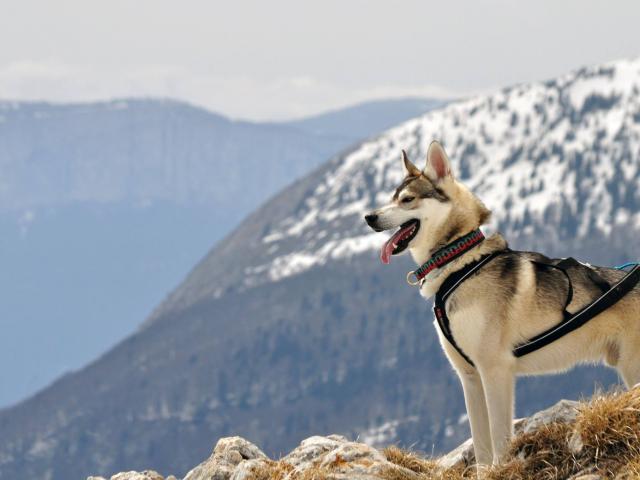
x=285, y=58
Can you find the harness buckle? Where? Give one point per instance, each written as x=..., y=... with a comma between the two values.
x=409, y=281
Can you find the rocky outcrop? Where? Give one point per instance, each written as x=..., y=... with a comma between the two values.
x=572, y=440
x=146, y=475
x=333, y=457
x=232, y=456
x=235, y=458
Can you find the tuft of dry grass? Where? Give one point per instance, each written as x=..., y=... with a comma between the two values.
x=605, y=440
x=543, y=454
x=419, y=468
x=630, y=471
x=313, y=473
x=410, y=460
x=609, y=429
x=272, y=470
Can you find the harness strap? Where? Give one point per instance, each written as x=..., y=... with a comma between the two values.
x=610, y=295
x=608, y=298
x=452, y=282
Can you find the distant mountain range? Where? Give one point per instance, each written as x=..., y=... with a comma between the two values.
x=104, y=207
x=148, y=151
x=290, y=326
x=355, y=123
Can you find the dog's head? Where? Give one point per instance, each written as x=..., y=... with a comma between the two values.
x=423, y=203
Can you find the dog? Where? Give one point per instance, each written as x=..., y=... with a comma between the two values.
x=509, y=300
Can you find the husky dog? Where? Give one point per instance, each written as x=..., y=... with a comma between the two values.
x=509, y=300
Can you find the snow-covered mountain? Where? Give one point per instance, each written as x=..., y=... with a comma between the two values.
x=290, y=326
x=554, y=161
x=559, y=158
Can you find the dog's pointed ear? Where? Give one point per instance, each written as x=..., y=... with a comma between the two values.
x=438, y=165
x=410, y=170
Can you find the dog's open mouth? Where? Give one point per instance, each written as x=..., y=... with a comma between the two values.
x=399, y=240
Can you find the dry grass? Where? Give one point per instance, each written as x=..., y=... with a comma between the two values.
x=410, y=460
x=609, y=427
x=605, y=439
x=419, y=468
x=543, y=454
x=272, y=471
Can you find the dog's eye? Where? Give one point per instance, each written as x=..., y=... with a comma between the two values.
x=407, y=199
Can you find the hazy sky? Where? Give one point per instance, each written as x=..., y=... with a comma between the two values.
x=284, y=58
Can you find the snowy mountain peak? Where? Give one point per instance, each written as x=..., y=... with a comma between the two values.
x=560, y=157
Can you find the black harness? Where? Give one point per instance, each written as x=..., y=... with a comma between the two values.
x=610, y=295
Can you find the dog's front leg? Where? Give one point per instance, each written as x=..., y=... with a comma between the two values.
x=498, y=383
x=474, y=399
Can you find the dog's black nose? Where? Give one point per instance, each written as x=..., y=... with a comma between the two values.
x=371, y=219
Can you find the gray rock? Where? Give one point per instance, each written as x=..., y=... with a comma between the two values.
x=339, y=459
x=247, y=469
x=564, y=411
x=352, y=452
x=354, y=460
x=463, y=455
x=228, y=453
x=146, y=475
x=312, y=448
x=237, y=459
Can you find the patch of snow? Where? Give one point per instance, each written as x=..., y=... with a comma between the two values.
x=382, y=435
x=42, y=446
x=273, y=237
x=300, y=261
x=302, y=224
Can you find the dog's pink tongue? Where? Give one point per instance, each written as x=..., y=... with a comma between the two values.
x=390, y=246
x=387, y=251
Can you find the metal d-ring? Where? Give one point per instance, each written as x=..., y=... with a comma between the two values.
x=413, y=284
